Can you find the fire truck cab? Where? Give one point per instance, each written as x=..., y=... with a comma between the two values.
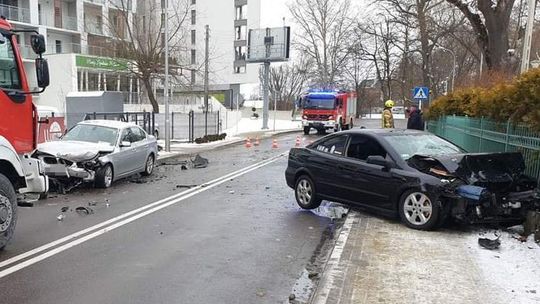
x=20, y=173
x=325, y=110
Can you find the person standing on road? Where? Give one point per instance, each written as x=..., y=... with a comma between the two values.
x=387, y=117
x=415, y=121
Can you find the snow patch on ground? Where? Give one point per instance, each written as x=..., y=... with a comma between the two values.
x=247, y=125
x=514, y=268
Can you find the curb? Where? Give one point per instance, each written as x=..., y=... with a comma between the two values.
x=332, y=270
x=228, y=144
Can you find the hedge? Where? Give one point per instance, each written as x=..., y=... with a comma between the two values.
x=518, y=100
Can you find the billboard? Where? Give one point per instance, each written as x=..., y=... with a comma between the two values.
x=269, y=44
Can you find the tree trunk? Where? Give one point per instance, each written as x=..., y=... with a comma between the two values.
x=424, y=41
x=497, y=20
x=150, y=92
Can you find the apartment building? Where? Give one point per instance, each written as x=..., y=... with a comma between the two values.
x=229, y=22
x=80, y=33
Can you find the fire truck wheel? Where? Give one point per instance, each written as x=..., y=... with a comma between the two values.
x=306, y=130
x=8, y=211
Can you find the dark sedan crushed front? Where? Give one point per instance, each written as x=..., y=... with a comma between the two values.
x=413, y=174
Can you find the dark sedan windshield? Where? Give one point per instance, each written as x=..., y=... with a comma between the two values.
x=407, y=145
x=91, y=133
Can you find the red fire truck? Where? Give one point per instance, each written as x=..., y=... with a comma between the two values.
x=323, y=110
x=19, y=173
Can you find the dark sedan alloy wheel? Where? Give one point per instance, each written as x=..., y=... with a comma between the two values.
x=418, y=211
x=305, y=193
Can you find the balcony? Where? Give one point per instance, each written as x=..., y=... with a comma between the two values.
x=64, y=22
x=101, y=2
x=95, y=28
x=14, y=13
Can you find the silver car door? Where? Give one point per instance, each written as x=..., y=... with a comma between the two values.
x=125, y=158
x=140, y=149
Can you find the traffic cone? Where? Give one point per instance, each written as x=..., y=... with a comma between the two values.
x=274, y=144
x=248, y=142
x=257, y=142
x=298, y=142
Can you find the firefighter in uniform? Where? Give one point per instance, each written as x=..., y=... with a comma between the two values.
x=387, y=117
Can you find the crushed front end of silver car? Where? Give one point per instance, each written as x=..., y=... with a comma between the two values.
x=483, y=187
x=69, y=164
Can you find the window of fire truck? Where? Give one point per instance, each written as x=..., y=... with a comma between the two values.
x=320, y=103
x=9, y=72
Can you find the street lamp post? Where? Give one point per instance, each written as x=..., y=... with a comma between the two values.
x=453, y=65
x=166, y=86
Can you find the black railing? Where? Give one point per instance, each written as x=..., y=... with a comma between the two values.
x=184, y=126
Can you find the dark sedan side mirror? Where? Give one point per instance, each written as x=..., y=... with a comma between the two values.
x=380, y=161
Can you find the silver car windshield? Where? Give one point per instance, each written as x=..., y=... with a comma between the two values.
x=92, y=133
x=407, y=145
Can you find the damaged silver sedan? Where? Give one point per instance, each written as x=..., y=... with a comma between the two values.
x=415, y=175
x=98, y=151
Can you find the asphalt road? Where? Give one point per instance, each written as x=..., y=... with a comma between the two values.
x=235, y=236
x=236, y=239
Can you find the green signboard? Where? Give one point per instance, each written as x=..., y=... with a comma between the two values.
x=101, y=63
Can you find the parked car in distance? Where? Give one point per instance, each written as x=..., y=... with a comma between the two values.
x=415, y=175
x=99, y=151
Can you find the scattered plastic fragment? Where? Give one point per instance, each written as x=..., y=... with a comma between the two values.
x=60, y=217
x=199, y=162
x=489, y=244
x=84, y=210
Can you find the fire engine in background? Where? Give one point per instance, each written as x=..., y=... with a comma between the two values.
x=19, y=173
x=324, y=110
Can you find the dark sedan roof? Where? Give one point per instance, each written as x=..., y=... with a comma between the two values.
x=385, y=132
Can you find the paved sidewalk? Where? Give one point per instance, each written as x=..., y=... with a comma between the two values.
x=384, y=262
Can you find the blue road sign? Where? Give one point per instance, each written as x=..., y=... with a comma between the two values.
x=421, y=93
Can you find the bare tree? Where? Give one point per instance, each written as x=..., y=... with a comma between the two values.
x=325, y=35
x=287, y=81
x=140, y=40
x=491, y=25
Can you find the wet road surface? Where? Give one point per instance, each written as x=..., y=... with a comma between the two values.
x=232, y=239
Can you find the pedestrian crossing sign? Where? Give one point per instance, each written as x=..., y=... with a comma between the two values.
x=421, y=93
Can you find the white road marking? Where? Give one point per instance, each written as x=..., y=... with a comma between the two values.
x=134, y=213
x=331, y=270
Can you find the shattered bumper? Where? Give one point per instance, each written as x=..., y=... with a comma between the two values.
x=59, y=168
x=474, y=204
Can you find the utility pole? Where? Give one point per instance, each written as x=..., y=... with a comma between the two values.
x=166, y=85
x=268, y=43
x=528, y=36
x=206, y=75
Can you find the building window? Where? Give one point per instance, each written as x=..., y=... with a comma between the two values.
x=58, y=45
x=240, y=53
x=193, y=77
x=193, y=57
x=193, y=2
x=193, y=17
x=240, y=69
x=241, y=12
x=193, y=36
x=240, y=32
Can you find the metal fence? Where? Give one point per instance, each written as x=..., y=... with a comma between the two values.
x=484, y=135
x=185, y=127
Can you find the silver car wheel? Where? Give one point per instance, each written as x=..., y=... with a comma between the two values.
x=6, y=213
x=304, y=192
x=150, y=164
x=108, y=176
x=417, y=208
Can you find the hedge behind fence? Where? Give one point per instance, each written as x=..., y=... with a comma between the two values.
x=518, y=100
